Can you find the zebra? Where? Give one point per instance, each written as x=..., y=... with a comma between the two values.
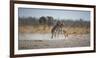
x=57, y=29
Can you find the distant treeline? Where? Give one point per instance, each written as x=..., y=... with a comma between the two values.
x=50, y=21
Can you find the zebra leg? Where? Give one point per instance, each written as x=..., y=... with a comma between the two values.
x=66, y=35
x=52, y=36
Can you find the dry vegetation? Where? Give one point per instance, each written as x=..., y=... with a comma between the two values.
x=39, y=29
x=45, y=24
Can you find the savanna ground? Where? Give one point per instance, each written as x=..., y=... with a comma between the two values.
x=38, y=37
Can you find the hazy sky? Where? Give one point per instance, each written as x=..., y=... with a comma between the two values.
x=58, y=14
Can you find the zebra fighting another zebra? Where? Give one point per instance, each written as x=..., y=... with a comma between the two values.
x=58, y=29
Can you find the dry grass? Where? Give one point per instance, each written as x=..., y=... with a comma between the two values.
x=77, y=30
x=40, y=29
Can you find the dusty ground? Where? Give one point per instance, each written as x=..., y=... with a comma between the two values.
x=40, y=41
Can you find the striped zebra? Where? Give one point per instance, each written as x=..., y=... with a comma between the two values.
x=57, y=29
